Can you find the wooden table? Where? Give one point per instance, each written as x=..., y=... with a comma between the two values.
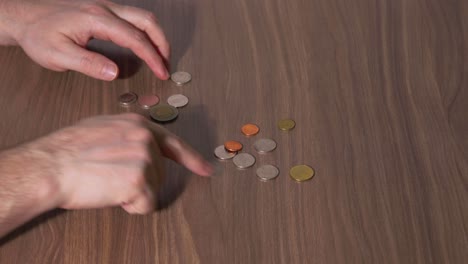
x=379, y=93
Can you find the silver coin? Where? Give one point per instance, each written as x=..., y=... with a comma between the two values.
x=181, y=78
x=244, y=160
x=177, y=100
x=221, y=153
x=267, y=172
x=264, y=145
x=127, y=99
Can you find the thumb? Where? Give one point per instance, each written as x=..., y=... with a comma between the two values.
x=143, y=203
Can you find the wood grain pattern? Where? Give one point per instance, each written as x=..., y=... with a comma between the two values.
x=379, y=93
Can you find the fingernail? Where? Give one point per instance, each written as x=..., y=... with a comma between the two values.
x=110, y=71
x=164, y=73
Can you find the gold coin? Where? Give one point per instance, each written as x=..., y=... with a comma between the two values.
x=301, y=173
x=286, y=124
x=164, y=113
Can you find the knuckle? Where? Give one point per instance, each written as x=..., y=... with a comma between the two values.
x=142, y=134
x=134, y=117
x=86, y=62
x=138, y=37
x=149, y=18
x=174, y=142
x=137, y=180
x=93, y=9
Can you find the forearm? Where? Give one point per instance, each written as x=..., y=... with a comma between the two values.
x=26, y=187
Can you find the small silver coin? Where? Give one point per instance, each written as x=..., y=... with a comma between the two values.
x=181, y=78
x=264, y=145
x=221, y=153
x=127, y=99
x=177, y=100
x=244, y=160
x=267, y=172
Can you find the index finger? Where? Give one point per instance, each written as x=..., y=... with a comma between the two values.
x=145, y=21
x=177, y=150
x=126, y=35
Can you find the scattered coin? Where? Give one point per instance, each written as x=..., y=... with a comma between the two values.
x=164, y=113
x=127, y=99
x=244, y=160
x=301, y=173
x=148, y=101
x=221, y=153
x=181, y=78
x=267, y=172
x=264, y=145
x=250, y=129
x=286, y=124
x=233, y=146
x=177, y=100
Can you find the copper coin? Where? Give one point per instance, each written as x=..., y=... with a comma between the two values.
x=250, y=129
x=233, y=146
x=221, y=153
x=127, y=99
x=148, y=101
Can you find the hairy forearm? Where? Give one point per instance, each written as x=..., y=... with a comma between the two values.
x=26, y=186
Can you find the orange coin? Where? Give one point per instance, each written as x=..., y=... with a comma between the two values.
x=232, y=146
x=250, y=129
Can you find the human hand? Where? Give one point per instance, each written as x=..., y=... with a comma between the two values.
x=54, y=33
x=102, y=161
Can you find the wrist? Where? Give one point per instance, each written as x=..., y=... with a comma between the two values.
x=36, y=174
x=47, y=173
x=27, y=186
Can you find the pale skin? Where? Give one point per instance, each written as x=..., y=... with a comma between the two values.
x=102, y=161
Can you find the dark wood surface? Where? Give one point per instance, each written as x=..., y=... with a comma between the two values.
x=379, y=93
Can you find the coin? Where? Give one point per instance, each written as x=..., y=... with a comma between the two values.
x=127, y=99
x=148, y=101
x=267, y=172
x=264, y=145
x=164, y=113
x=221, y=153
x=177, y=100
x=250, y=129
x=301, y=173
x=286, y=124
x=244, y=160
x=181, y=78
x=232, y=146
